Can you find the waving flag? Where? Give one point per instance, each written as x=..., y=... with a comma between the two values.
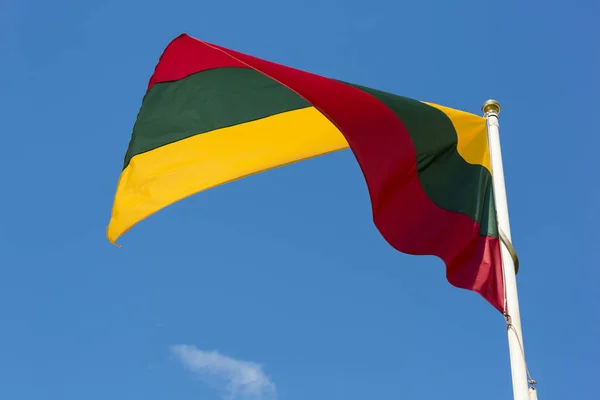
x=212, y=115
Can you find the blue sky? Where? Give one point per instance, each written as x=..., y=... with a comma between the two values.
x=281, y=279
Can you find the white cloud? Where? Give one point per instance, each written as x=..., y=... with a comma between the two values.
x=237, y=379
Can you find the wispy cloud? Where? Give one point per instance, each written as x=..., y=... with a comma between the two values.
x=236, y=379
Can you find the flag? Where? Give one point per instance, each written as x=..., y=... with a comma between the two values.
x=211, y=115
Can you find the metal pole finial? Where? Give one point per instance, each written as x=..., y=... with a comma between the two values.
x=491, y=107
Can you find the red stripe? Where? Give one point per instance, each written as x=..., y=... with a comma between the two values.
x=185, y=56
x=405, y=216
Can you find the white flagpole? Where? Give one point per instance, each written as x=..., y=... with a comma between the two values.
x=491, y=109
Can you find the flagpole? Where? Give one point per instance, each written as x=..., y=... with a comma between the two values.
x=521, y=390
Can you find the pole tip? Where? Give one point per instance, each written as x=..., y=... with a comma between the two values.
x=491, y=107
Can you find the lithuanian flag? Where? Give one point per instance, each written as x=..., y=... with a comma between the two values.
x=212, y=115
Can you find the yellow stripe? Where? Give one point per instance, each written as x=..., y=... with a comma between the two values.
x=158, y=178
x=472, y=136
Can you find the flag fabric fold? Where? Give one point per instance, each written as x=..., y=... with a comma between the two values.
x=212, y=115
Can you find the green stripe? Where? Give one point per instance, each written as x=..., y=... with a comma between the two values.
x=223, y=97
x=206, y=101
x=451, y=182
